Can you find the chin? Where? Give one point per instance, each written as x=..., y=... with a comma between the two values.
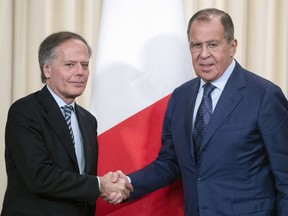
x=208, y=79
x=77, y=93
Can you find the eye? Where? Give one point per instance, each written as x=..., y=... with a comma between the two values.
x=69, y=64
x=212, y=45
x=85, y=65
x=196, y=46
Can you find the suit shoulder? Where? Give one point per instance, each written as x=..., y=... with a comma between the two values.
x=26, y=101
x=252, y=77
x=85, y=113
x=258, y=83
x=186, y=86
x=252, y=83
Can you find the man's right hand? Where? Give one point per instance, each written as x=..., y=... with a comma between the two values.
x=115, y=187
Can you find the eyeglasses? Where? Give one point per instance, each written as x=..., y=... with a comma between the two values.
x=212, y=46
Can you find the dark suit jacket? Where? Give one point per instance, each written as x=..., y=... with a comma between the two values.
x=243, y=162
x=42, y=169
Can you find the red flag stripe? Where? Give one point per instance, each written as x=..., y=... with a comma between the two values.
x=129, y=146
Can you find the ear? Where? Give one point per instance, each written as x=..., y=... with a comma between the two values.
x=233, y=47
x=46, y=70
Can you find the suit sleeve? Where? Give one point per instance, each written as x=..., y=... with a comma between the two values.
x=273, y=124
x=164, y=170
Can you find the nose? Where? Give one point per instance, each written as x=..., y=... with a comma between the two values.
x=204, y=52
x=80, y=70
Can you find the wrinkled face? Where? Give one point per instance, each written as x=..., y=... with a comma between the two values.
x=210, y=51
x=67, y=74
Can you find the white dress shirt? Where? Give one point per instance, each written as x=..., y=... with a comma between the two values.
x=78, y=139
x=215, y=95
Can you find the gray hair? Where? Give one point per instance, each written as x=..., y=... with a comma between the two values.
x=47, y=49
x=207, y=14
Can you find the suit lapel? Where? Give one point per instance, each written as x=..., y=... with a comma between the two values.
x=228, y=100
x=86, y=139
x=57, y=122
x=190, y=111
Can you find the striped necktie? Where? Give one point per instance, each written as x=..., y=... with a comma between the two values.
x=67, y=114
x=79, y=150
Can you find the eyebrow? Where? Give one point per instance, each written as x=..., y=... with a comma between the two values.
x=73, y=61
x=209, y=41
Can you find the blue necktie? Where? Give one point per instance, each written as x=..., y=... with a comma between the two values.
x=203, y=117
x=67, y=114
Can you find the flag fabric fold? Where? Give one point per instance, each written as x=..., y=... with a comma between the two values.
x=142, y=57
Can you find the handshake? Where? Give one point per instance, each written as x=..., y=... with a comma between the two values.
x=115, y=187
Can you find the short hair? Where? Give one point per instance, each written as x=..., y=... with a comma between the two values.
x=207, y=14
x=47, y=49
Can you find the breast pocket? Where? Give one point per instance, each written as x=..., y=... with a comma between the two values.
x=232, y=127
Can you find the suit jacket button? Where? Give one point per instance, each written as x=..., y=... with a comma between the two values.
x=199, y=180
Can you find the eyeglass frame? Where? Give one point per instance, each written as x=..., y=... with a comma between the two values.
x=212, y=46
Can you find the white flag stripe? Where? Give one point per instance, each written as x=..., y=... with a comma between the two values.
x=142, y=56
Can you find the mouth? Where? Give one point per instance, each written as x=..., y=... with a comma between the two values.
x=206, y=66
x=78, y=83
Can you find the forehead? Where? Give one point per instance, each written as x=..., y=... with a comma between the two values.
x=206, y=30
x=72, y=47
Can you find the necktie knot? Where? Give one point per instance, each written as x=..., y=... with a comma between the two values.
x=67, y=110
x=208, y=88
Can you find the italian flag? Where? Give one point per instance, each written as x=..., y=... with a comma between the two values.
x=142, y=57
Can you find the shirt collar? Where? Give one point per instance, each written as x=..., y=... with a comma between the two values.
x=222, y=80
x=58, y=100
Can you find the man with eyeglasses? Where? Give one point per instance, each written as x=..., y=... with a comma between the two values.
x=225, y=133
